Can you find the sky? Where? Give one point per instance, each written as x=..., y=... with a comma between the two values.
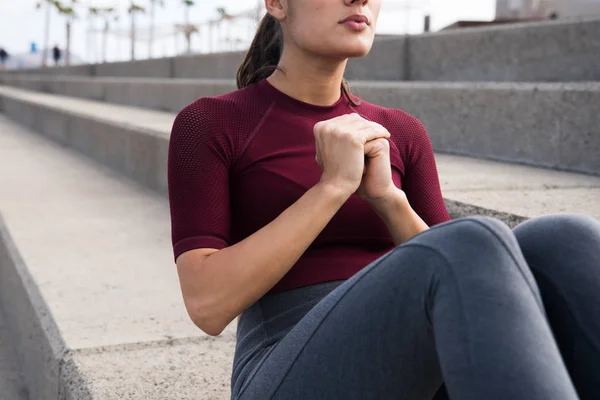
x=21, y=24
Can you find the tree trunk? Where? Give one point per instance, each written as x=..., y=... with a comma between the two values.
x=46, y=36
x=68, y=45
x=187, y=27
x=151, y=42
x=132, y=32
x=210, y=37
x=104, y=39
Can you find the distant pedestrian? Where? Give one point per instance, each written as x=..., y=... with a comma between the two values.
x=3, y=58
x=56, y=54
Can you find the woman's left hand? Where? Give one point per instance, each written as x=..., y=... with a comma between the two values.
x=377, y=184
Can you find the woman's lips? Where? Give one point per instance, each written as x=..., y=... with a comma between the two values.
x=355, y=25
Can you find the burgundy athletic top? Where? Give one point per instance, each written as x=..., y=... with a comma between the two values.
x=239, y=160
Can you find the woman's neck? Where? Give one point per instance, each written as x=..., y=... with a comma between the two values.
x=313, y=80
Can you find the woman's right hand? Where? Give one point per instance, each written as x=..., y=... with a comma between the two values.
x=340, y=149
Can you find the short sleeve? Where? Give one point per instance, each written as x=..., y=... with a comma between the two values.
x=421, y=181
x=199, y=161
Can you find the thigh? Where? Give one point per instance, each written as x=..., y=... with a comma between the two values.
x=563, y=252
x=373, y=336
x=370, y=338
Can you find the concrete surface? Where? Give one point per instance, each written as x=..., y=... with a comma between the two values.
x=11, y=381
x=34, y=336
x=97, y=247
x=160, y=67
x=554, y=125
x=215, y=66
x=517, y=189
x=564, y=50
x=387, y=60
x=104, y=132
x=187, y=369
x=134, y=142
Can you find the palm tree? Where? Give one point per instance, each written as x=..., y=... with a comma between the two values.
x=106, y=14
x=70, y=15
x=161, y=3
x=132, y=10
x=49, y=5
x=188, y=29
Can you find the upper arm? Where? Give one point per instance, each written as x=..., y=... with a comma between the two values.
x=421, y=182
x=198, y=183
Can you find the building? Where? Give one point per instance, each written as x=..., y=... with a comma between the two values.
x=544, y=9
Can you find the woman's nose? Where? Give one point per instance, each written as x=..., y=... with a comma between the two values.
x=350, y=2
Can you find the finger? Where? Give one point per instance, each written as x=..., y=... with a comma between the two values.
x=318, y=158
x=373, y=132
x=376, y=147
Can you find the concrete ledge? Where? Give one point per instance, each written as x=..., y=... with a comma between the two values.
x=555, y=125
x=134, y=142
x=138, y=152
x=544, y=124
x=387, y=60
x=158, y=67
x=215, y=66
x=32, y=329
x=546, y=51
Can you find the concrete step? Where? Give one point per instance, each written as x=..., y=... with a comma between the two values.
x=134, y=142
x=564, y=50
x=553, y=125
x=88, y=285
x=11, y=381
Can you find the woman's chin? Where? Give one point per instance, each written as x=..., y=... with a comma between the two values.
x=356, y=51
x=355, y=47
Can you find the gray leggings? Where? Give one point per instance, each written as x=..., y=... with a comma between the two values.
x=493, y=313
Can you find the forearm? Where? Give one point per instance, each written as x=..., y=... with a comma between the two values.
x=399, y=217
x=236, y=277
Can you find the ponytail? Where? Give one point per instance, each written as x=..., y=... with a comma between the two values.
x=264, y=53
x=263, y=56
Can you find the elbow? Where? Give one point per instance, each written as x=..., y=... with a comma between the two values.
x=208, y=322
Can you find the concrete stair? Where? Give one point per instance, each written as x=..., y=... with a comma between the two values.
x=88, y=289
x=553, y=125
x=88, y=284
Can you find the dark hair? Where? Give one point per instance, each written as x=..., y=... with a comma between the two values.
x=264, y=54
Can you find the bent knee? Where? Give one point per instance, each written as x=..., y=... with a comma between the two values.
x=559, y=226
x=486, y=231
x=471, y=239
x=557, y=236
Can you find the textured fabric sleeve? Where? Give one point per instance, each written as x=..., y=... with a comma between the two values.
x=421, y=182
x=198, y=180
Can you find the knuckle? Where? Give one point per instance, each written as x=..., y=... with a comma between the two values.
x=337, y=133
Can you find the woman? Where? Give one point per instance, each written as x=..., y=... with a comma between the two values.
x=306, y=211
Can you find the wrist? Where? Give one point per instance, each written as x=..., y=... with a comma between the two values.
x=393, y=202
x=333, y=192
